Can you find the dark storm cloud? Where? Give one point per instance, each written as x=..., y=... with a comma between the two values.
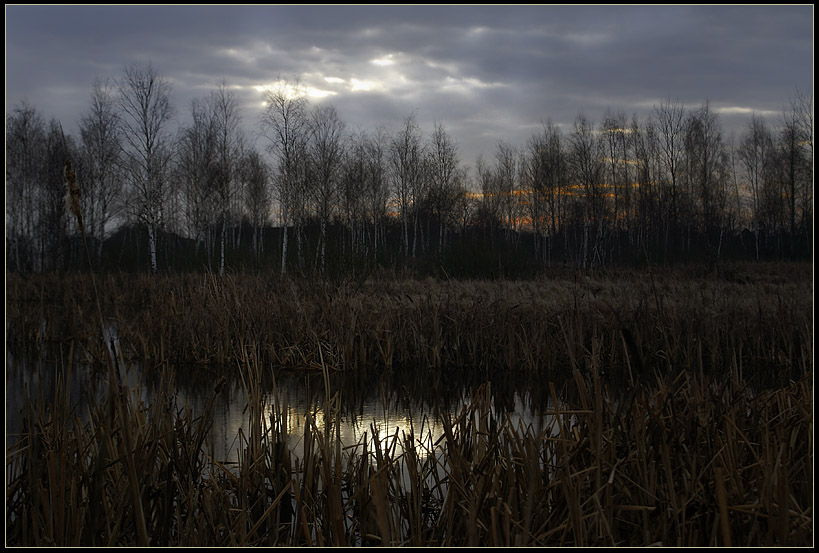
x=488, y=72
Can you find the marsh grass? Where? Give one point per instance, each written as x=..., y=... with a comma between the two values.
x=759, y=323
x=682, y=412
x=689, y=460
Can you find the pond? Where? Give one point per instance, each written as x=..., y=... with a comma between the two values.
x=387, y=405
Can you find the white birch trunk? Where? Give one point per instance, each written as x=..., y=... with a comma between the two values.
x=284, y=250
x=222, y=248
x=323, y=245
x=152, y=245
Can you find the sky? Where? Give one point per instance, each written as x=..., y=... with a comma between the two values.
x=488, y=73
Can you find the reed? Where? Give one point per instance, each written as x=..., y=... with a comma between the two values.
x=696, y=461
x=758, y=325
x=680, y=408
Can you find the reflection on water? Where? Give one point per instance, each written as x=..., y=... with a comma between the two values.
x=387, y=408
x=386, y=416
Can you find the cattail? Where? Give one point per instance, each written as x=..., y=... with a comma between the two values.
x=72, y=195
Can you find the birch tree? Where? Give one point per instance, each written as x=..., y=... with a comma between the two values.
x=670, y=125
x=353, y=192
x=406, y=155
x=547, y=172
x=755, y=152
x=25, y=150
x=145, y=103
x=614, y=131
x=326, y=155
x=52, y=218
x=101, y=162
x=491, y=194
x=444, y=165
x=224, y=108
x=256, y=175
x=196, y=163
x=506, y=173
x=586, y=161
x=644, y=152
x=706, y=170
x=795, y=150
x=377, y=190
x=706, y=158
x=285, y=125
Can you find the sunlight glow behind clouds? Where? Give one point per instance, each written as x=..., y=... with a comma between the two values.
x=295, y=92
x=316, y=93
x=383, y=62
x=251, y=54
x=467, y=85
x=515, y=66
x=357, y=85
x=740, y=110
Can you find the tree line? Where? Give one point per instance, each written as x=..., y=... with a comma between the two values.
x=323, y=199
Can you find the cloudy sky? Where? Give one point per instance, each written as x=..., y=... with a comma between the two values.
x=489, y=73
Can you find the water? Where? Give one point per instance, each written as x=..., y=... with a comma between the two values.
x=387, y=406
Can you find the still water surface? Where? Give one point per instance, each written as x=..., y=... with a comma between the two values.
x=385, y=405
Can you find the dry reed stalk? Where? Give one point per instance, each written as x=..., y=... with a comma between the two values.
x=460, y=335
x=595, y=483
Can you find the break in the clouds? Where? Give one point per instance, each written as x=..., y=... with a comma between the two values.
x=489, y=73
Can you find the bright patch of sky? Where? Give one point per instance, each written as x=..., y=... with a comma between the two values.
x=740, y=110
x=383, y=62
x=489, y=73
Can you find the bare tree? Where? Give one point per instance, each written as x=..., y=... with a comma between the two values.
x=546, y=172
x=444, y=164
x=735, y=211
x=705, y=161
x=796, y=163
x=377, y=185
x=491, y=194
x=506, y=171
x=353, y=191
x=224, y=108
x=756, y=151
x=802, y=107
x=465, y=204
x=586, y=161
x=196, y=170
x=101, y=162
x=531, y=183
x=644, y=151
x=614, y=132
x=285, y=125
x=52, y=218
x=670, y=124
x=146, y=113
x=256, y=176
x=325, y=156
x=406, y=154
x=25, y=151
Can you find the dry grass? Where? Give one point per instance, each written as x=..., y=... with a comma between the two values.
x=686, y=419
x=683, y=462
x=760, y=322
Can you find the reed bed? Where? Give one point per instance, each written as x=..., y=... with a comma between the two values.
x=681, y=460
x=760, y=321
x=681, y=407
